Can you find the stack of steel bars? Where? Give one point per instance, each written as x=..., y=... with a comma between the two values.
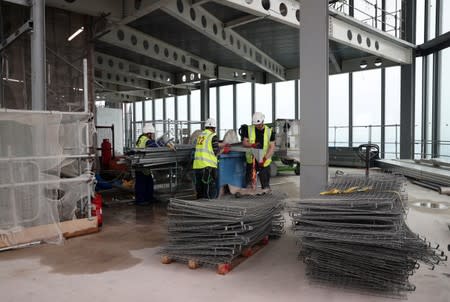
x=213, y=232
x=161, y=156
x=360, y=239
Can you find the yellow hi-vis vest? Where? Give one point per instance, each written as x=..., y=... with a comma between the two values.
x=252, y=139
x=204, y=153
x=142, y=141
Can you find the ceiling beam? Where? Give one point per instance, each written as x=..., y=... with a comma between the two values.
x=136, y=41
x=342, y=29
x=111, y=63
x=113, y=9
x=195, y=3
x=207, y=24
x=241, y=21
x=136, y=9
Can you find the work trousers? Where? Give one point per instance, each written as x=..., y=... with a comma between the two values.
x=143, y=187
x=205, y=182
x=264, y=176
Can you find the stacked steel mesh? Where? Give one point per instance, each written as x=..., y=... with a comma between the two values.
x=215, y=232
x=360, y=239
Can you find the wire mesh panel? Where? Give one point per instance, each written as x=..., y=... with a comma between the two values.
x=216, y=231
x=358, y=237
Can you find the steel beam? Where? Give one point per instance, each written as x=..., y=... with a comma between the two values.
x=138, y=42
x=27, y=26
x=242, y=20
x=113, y=77
x=114, y=64
x=38, y=57
x=240, y=75
x=195, y=3
x=286, y=11
x=113, y=9
x=206, y=23
x=134, y=10
x=204, y=100
x=20, y=2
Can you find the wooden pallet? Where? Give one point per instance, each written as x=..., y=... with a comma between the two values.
x=225, y=268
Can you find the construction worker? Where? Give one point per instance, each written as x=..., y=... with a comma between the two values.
x=259, y=136
x=207, y=148
x=143, y=188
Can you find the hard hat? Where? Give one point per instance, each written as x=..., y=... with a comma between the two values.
x=148, y=129
x=258, y=118
x=210, y=123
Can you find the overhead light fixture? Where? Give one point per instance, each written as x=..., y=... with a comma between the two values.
x=363, y=64
x=79, y=31
x=378, y=62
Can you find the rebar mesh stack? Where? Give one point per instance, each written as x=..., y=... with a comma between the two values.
x=360, y=240
x=213, y=232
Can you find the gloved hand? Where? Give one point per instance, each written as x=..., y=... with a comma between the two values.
x=255, y=145
x=262, y=162
x=226, y=149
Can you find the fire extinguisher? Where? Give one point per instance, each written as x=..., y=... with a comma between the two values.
x=97, y=211
x=106, y=153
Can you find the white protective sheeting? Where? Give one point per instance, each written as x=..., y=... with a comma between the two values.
x=34, y=147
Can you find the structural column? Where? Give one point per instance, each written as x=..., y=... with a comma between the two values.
x=38, y=58
x=408, y=74
x=204, y=100
x=313, y=97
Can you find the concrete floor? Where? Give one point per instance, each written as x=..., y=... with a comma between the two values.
x=121, y=264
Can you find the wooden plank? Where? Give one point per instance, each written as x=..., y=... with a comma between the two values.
x=69, y=229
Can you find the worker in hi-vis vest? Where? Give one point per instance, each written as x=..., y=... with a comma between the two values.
x=143, y=187
x=259, y=136
x=207, y=148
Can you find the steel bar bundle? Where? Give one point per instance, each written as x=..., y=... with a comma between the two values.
x=215, y=232
x=359, y=239
x=161, y=156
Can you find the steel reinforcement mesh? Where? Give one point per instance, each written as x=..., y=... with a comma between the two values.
x=360, y=240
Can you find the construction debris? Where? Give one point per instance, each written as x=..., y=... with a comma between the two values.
x=360, y=239
x=214, y=232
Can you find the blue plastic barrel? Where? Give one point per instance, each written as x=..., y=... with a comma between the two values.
x=231, y=170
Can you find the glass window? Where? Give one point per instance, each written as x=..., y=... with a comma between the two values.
x=420, y=21
x=183, y=130
x=148, y=110
x=366, y=107
x=226, y=109
x=431, y=19
x=159, y=117
x=338, y=110
x=444, y=111
x=445, y=16
x=393, y=16
x=285, y=100
x=418, y=110
x=138, y=115
x=170, y=108
x=182, y=108
x=244, y=104
x=195, y=109
x=263, y=100
x=392, y=113
x=213, y=102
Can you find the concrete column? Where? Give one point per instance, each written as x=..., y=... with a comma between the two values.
x=204, y=100
x=407, y=95
x=313, y=97
x=38, y=58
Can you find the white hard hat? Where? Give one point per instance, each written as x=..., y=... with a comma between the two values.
x=258, y=118
x=210, y=123
x=148, y=129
